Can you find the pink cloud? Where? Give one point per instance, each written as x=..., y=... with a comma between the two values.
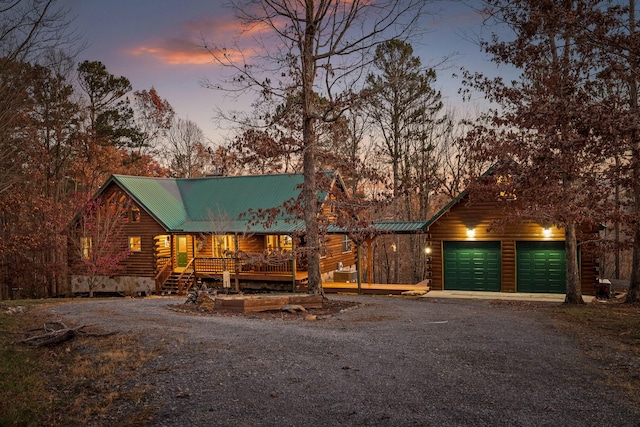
x=191, y=43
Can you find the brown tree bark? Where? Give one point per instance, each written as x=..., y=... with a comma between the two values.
x=309, y=189
x=574, y=292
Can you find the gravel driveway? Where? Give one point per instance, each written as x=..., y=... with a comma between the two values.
x=389, y=362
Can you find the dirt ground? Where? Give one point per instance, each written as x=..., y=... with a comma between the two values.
x=377, y=361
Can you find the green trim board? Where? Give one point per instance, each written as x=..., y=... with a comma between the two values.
x=472, y=265
x=541, y=267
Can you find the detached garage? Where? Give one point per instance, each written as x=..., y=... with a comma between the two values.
x=474, y=248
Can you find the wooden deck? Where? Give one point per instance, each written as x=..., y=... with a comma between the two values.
x=374, y=288
x=301, y=277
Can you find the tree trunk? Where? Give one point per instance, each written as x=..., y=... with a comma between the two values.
x=574, y=291
x=309, y=189
x=311, y=215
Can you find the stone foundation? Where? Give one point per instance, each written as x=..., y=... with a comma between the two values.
x=127, y=285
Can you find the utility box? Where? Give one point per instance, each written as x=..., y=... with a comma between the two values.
x=226, y=279
x=345, y=276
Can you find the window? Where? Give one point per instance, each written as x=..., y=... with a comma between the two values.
x=85, y=244
x=279, y=242
x=135, y=215
x=346, y=243
x=286, y=243
x=135, y=244
x=222, y=244
x=506, y=188
x=200, y=244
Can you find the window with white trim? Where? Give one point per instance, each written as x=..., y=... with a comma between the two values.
x=347, y=245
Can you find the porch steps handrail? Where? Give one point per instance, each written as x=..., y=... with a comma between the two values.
x=162, y=276
x=189, y=268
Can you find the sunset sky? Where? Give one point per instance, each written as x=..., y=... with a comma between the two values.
x=157, y=43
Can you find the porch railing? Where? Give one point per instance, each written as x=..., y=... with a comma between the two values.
x=217, y=266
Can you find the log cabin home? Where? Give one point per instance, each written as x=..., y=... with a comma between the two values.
x=224, y=230
x=468, y=252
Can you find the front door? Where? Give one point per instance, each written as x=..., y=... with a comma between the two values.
x=181, y=250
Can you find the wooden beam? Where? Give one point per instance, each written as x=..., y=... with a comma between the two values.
x=370, y=261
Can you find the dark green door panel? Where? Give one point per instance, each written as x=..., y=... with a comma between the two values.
x=541, y=267
x=472, y=266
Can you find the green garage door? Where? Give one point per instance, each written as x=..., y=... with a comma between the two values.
x=541, y=267
x=472, y=266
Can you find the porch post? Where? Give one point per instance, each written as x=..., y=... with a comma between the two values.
x=370, y=261
x=358, y=272
x=293, y=264
x=236, y=241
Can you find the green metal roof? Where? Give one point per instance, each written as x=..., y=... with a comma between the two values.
x=160, y=197
x=216, y=204
x=383, y=227
x=400, y=227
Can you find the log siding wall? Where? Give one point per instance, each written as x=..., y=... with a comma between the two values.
x=335, y=255
x=137, y=264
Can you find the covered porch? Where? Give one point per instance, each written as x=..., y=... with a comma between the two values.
x=226, y=259
x=228, y=272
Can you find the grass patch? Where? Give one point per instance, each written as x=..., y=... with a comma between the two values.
x=610, y=334
x=613, y=320
x=23, y=391
x=89, y=380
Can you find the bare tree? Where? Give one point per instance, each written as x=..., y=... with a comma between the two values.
x=187, y=155
x=154, y=117
x=30, y=28
x=310, y=48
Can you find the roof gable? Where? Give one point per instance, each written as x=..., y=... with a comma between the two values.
x=456, y=199
x=160, y=197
